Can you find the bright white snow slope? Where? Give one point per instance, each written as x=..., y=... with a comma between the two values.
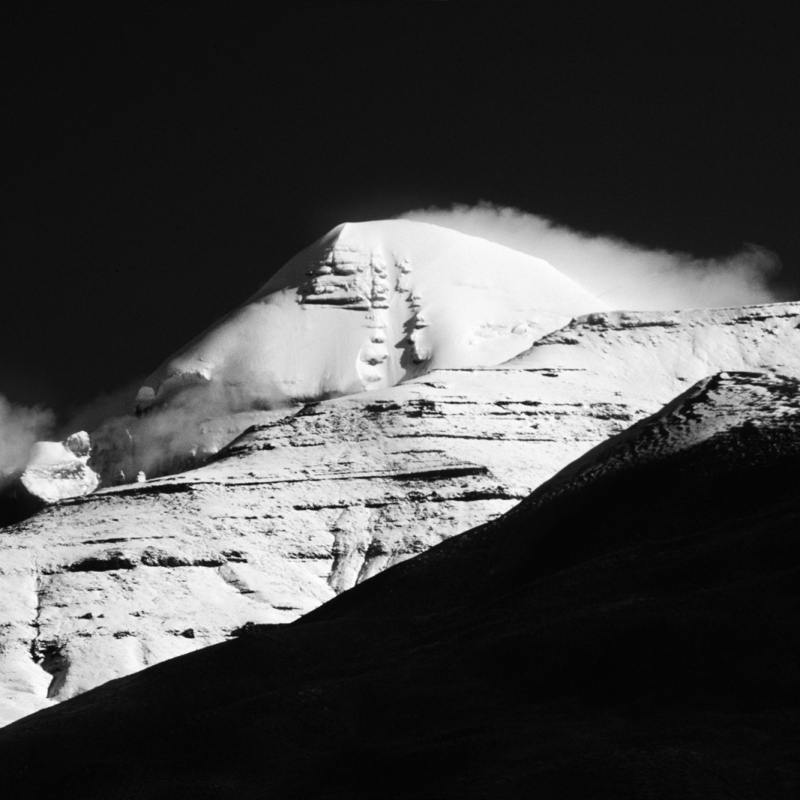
x=367, y=306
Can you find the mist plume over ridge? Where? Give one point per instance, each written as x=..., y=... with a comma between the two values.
x=20, y=429
x=622, y=274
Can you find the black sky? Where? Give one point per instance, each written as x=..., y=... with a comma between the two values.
x=160, y=164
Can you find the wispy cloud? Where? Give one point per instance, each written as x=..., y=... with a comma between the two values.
x=20, y=428
x=622, y=274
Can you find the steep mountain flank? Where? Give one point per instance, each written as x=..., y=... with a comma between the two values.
x=630, y=630
x=286, y=516
x=308, y=504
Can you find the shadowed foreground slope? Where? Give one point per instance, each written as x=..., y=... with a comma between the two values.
x=629, y=631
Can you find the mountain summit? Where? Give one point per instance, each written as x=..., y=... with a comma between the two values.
x=367, y=306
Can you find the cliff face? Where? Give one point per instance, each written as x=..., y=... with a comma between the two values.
x=307, y=505
x=630, y=629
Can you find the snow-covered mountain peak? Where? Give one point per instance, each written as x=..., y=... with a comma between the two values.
x=367, y=306
x=660, y=353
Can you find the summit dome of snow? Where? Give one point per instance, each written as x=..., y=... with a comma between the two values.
x=367, y=306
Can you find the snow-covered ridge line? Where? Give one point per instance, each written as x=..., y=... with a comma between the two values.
x=652, y=353
x=707, y=421
x=719, y=316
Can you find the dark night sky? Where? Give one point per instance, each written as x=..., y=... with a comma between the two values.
x=159, y=165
